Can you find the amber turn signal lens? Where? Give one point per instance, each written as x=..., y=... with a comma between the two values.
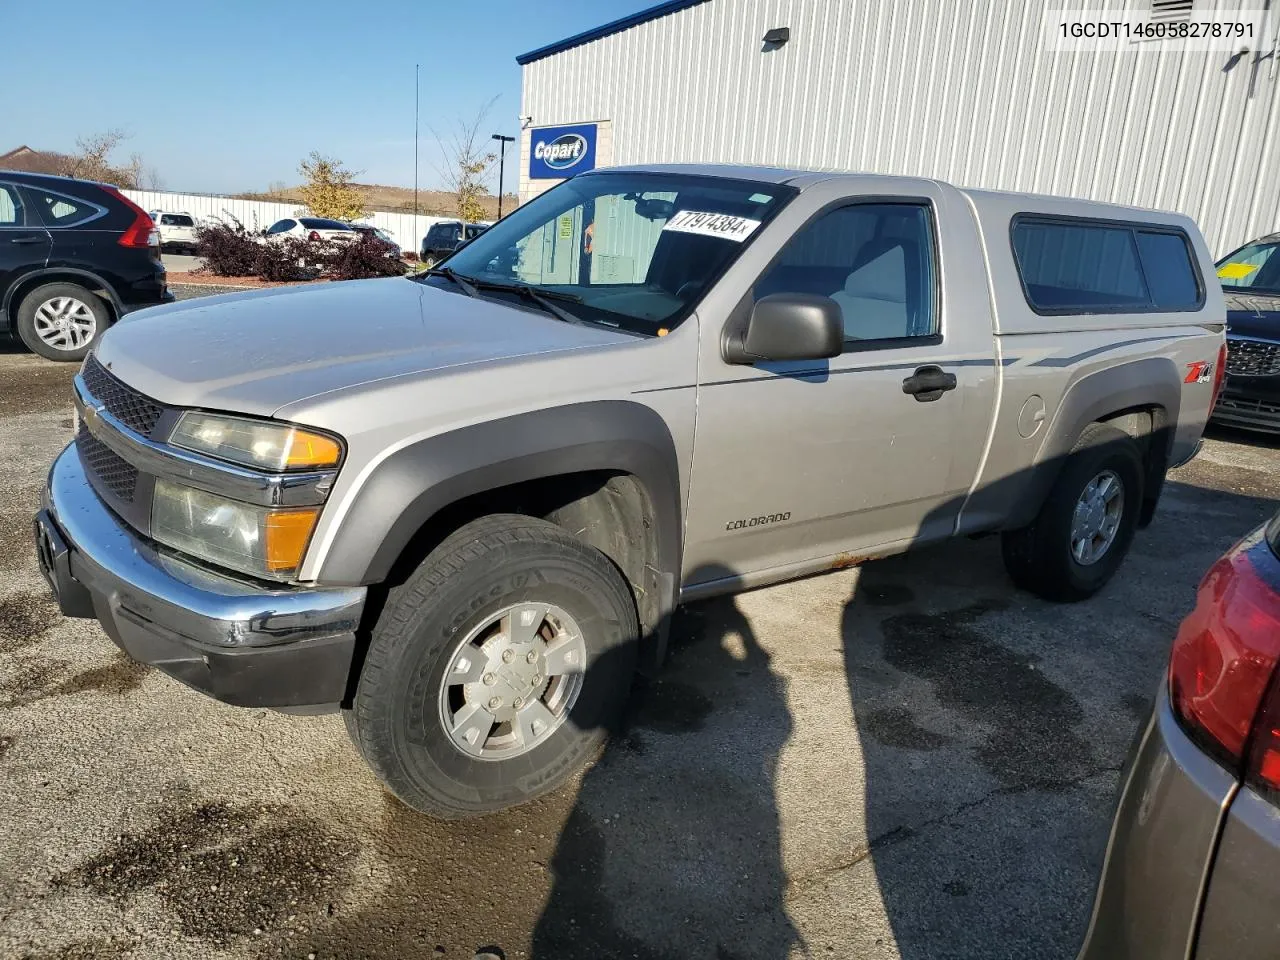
x=312, y=450
x=287, y=534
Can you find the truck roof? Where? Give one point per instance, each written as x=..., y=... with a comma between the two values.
x=736, y=171
x=1038, y=202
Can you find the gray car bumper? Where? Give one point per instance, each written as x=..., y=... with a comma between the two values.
x=1241, y=916
x=237, y=641
x=1173, y=800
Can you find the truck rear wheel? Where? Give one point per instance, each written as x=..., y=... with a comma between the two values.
x=1087, y=522
x=497, y=670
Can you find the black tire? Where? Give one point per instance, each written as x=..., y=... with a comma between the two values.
x=52, y=291
x=394, y=720
x=1039, y=557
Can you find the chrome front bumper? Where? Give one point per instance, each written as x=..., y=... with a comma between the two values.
x=239, y=642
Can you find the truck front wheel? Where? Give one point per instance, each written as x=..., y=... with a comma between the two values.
x=1086, y=524
x=497, y=670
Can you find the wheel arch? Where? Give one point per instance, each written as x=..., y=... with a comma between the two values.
x=604, y=470
x=1141, y=397
x=91, y=281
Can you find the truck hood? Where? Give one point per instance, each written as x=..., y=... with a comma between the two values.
x=256, y=352
x=1253, y=315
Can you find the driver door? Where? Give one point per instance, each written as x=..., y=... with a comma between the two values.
x=800, y=465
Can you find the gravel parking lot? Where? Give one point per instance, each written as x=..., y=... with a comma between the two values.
x=908, y=760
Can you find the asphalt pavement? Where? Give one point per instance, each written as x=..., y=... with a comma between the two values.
x=910, y=759
x=180, y=263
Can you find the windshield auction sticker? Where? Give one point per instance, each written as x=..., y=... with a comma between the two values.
x=723, y=225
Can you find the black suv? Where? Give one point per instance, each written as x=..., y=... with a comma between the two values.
x=444, y=238
x=75, y=256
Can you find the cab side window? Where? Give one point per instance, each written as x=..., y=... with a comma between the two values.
x=875, y=260
x=281, y=226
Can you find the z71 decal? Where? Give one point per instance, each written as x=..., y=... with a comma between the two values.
x=1199, y=372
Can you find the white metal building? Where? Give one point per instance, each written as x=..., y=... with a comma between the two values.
x=965, y=92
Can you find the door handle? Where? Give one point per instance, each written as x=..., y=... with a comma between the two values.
x=28, y=239
x=929, y=383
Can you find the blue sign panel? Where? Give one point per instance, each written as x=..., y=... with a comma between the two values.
x=560, y=152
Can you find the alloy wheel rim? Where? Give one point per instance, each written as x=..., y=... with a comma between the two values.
x=65, y=323
x=1096, y=519
x=512, y=681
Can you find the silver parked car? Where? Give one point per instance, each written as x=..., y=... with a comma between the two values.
x=1194, y=852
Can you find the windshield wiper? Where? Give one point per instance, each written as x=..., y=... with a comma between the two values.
x=538, y=296
x=463, y=283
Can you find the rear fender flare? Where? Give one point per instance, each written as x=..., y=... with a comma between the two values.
x=1151, y=382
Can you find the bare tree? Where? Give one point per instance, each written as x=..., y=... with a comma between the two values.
x=466, y=161
x=92, y=161
x=90, y=158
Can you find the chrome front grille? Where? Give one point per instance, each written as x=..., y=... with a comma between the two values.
x=1253, y=358
x=114, y=473
x=133, y=409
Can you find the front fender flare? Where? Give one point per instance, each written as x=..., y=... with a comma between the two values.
x=415, y=483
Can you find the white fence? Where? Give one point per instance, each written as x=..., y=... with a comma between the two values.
x=407, y=229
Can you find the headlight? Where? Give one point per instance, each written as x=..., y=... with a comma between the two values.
x=257, y=540
x=255, y=443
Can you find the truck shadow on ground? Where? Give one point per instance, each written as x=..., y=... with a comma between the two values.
x=993, y=726
x=665, y=855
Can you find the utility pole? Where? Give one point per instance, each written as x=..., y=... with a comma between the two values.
x=415, y=147
x=502, y=161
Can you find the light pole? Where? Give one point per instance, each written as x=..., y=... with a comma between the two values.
x=415, y=146
x=502, y=161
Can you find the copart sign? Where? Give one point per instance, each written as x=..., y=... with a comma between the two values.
x=560, y=152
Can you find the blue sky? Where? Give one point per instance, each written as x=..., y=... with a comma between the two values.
x=229, y=95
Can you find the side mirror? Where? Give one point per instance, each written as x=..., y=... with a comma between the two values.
x=787, y=326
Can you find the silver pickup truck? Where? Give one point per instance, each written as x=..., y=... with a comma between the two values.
x=461, y=507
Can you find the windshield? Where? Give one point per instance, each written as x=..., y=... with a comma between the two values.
x=632, y=250
x=1252, y=269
